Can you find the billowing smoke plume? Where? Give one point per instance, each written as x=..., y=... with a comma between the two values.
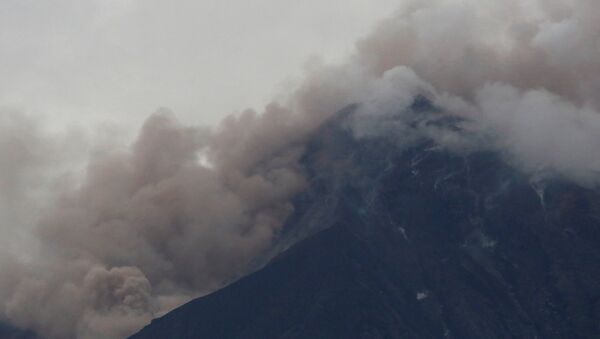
x=527, y=70
x=178, y=214
x=185, y=210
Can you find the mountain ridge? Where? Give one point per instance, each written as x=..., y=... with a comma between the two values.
x=415, y=242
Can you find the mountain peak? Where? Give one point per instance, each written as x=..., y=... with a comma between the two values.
x=414, y=242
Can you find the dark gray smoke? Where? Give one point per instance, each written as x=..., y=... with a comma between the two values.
x=176, y=215
x=185, y=209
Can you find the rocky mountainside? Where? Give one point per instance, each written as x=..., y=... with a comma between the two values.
x=393, y=241
x=9, y=332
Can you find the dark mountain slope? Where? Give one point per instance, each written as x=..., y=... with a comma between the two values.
x=331, y=296
x=415, y=242
x=9, y=332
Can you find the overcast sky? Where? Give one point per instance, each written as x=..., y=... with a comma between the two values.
x=119, y=60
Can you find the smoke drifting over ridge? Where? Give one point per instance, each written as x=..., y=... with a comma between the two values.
x=185, y=209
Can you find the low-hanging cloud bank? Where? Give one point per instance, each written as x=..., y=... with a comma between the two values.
x=185, y=209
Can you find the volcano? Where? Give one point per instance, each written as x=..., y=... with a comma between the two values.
x=414, y=241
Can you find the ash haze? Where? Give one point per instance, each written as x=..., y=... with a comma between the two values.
x=98, y=61
x=97, y=251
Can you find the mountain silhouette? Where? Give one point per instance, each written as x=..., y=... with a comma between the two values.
x=417, y=241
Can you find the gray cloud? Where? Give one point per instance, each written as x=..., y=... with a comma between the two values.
x=119, y=60
x=153, y=222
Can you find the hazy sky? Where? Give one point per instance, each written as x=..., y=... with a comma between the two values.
x=120, y=60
